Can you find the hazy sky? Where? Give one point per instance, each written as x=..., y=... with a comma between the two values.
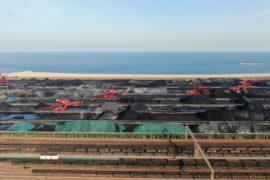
x=149, y=25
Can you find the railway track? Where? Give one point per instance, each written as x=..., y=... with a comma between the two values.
x=222, y=148
x=145, y=158
x=158, y=168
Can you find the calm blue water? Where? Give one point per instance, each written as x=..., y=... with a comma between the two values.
x=135, y=62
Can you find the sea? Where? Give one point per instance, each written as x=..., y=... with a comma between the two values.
x=135, y=62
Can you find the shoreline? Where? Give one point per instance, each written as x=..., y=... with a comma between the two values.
x=43, y=75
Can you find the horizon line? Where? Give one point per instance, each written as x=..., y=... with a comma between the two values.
x=67, y=51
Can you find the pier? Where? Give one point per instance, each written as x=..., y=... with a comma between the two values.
x=262, y=64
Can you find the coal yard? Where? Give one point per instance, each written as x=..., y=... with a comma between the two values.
x=216, y=128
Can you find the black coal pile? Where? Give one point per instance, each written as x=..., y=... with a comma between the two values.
x=62, y=82
x=92, y=116
x=77, y=82
x=129, y=127
x=139, y=83
x=132, y=113
x=158, y=83
x=131, y=100
x=176, y=117
x=232, y=127
x=108, y=116
x=261, y=83
x=110, y=109
x=49, y=93
x=220, y=81
x=146, y=116
x=252, y=106
x=224, y=93
x=5, y=106
x=180, y=82
x=129, y=115
x=111, y=106
x=46, y=128
x=122, y=82
x=242, y=100
x=32, y=81
x=140, y=107
x=59, y=82
x=40, y=105
x=234, y=115
x=199, y=99
x=258, y=93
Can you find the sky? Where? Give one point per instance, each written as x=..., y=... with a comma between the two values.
x=134, y=25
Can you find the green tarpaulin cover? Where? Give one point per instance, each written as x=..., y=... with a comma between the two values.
x=21, y=126
x=159, y=128
x=85, y=126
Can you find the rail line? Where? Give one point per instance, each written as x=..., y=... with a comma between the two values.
x=185, y=168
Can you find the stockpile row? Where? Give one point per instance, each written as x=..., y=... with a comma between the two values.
x=158, y=100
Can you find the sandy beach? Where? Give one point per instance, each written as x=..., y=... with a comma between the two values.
x=42, y=75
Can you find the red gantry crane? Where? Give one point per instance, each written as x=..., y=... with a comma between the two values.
x=200, y=89
x=3, y=77
x=243, y=85
x=61, y=106
x=109, y=94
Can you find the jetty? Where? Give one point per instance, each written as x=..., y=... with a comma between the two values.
x=248, y=63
